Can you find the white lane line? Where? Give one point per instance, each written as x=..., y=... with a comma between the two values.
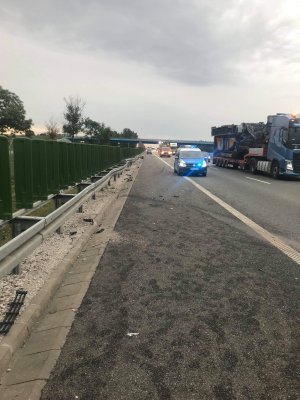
x=258, y=180
x=273, y=239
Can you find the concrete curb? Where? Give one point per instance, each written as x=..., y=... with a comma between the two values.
x=22, y=328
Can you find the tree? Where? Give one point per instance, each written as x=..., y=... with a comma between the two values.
x=12, y=114
x=128, y=133
x=29, y=133
x=52, y=128
x=98, y=130
x=73, y=116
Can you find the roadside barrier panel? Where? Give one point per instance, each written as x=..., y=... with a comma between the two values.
x=78, y=161
x=39, y=169
x=63, y=164
x=84, y=161
x=5, y=180
x=52, y=160
x=89, y=159
x=94, y=151
x=23, y=172
x=72, y=164
x=43, y=167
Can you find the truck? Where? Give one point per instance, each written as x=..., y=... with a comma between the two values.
x=272, y=147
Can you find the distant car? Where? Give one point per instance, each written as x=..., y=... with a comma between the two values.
x=148, y=150
x=206, y=156
x=164, y=151
x=190, y=161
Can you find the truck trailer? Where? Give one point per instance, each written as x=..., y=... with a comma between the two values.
x=272, y=147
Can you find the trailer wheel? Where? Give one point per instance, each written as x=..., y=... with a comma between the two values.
x=253, y=165
x=275, y=170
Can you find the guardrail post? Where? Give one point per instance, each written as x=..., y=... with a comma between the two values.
x=59, y=200
x=19, y=225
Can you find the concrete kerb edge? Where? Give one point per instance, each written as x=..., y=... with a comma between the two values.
x=21, y=329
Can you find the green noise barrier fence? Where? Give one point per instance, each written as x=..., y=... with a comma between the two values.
x=44, y=167
x=5, y=180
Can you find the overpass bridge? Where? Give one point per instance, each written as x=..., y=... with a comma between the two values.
x=203, y=144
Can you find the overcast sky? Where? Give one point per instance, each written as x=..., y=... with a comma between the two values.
x=164, y=68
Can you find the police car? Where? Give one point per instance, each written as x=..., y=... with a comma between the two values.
x=190, y=161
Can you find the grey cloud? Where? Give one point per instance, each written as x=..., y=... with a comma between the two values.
x=195, y=42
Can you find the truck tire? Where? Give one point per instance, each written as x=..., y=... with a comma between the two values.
x=275, y=170
x=253, y=166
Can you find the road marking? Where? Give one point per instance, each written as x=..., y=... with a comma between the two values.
x=258, y=180
x=273, y=239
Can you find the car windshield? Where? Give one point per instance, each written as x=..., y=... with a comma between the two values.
x=191, y=154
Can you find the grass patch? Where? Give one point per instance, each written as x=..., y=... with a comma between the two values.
x=5, y=234
x=44, y=210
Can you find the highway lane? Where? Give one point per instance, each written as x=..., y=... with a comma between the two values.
x=184, y=305
x=273, y=204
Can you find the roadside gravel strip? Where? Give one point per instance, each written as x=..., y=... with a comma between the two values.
x=52, y=258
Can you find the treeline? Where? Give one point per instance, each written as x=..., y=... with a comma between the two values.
x=13, y=121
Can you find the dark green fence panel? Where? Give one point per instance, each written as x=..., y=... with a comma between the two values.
x=94, y=158
x=23, y=172
x=89, y=159
x=72, y=164
x=101, y=158
x=78, y=161
x=69, y=162
x=5, y=180
x=84, y=161
x=39, y=170
x=109, y=156
x=116, y=155
x=52, y=160
x=63, y=165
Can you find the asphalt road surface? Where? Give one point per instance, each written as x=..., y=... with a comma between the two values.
x=273, y=204
x=186, y=304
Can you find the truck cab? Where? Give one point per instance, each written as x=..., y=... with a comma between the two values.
x=284, y=144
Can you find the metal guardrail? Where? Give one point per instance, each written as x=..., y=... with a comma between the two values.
x=13, y=252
